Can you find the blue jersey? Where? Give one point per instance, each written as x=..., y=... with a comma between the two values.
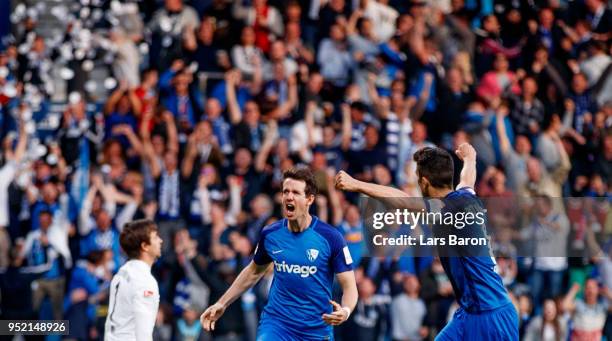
x=471, y=269
x=304, y=267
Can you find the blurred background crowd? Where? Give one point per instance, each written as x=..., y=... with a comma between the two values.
x=188, y=111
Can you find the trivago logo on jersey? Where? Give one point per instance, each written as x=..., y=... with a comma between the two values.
x=302, y=270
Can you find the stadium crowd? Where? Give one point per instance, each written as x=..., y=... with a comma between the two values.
x=188, y=112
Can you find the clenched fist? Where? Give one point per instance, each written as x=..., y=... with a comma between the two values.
x=466, y=152
x=346, y=182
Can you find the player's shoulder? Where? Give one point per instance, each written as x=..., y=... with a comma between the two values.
x=460, y=195
x=139, y=275
x=458, y=198
x=463, y=192
x=273, y=227
x=136, y=268
x=331, y=234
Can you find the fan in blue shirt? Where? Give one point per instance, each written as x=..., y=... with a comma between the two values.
x=485, y=312
x=305, y=254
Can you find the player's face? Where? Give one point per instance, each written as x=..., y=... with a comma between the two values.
x=295, y=201
x=155, y=245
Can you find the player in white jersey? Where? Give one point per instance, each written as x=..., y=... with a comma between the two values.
x=134, y=294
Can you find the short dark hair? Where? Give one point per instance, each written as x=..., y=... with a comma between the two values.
x=302, y=174
x=436, y=165
x=134, y=234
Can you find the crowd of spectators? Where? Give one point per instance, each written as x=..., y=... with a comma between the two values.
x=202, y=104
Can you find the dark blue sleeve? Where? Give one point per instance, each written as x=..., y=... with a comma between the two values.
x=467, y=191
x=340, y=258
x=261, y=256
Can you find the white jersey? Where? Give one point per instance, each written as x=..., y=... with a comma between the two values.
x=134, y=300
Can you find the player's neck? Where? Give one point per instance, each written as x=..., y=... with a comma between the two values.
x=439, y=192
x=147, y=259
x=300, y=224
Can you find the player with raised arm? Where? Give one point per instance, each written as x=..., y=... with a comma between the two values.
x=305, y=254
x=485, y=312
x=134, y=294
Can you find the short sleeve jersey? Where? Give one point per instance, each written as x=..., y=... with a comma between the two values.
x=304, y=267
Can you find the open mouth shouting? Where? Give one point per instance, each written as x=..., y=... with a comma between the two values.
x=289, y=209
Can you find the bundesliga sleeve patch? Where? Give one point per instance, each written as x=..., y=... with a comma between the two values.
x=148, y=293
x=347, y=256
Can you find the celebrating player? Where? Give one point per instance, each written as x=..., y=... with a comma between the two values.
x=305, y=253
x=134, y=294
x=486, y=312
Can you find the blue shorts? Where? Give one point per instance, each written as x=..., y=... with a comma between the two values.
x=270, y=330
x=498, y=324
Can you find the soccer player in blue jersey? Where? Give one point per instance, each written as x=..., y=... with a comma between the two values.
x=305, y=254
x=486, y=312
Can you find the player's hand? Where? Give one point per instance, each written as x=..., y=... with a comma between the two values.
x=338, y=316
x=466, y=152
x=346, y=182
x=211, y=315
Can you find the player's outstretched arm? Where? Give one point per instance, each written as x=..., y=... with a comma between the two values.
x=247, y=278
x=342, y=312
x=391, y=196
x=467, y=154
